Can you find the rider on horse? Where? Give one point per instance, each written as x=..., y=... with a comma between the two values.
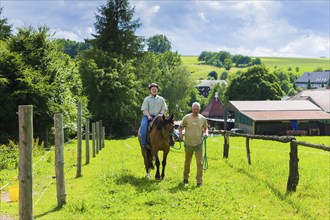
x=152, y=105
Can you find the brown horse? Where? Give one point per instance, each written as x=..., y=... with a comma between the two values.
x=160, y=137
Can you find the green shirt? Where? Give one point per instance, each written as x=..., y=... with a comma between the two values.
x=193, y=130
x=154, y=105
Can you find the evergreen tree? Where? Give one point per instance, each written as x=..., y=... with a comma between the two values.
x=115, y=30
x=107, y=69
x=5, y=28
x=72, y=48
x=309, y=85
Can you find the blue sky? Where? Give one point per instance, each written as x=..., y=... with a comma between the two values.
x=254, y=28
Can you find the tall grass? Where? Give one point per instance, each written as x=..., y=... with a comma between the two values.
x=113, y=184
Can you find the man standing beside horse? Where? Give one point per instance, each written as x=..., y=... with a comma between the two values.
x=195, y=126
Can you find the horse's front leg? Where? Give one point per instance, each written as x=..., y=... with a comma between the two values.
x=164, y=164
x=157, y=175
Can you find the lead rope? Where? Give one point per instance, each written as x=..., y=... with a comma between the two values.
x=205, y=162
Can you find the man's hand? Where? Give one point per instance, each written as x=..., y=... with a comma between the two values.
x=205, y=135
x=149, y=118
x=180, y=138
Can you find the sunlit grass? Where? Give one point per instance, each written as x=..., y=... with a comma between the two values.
x=113, y=186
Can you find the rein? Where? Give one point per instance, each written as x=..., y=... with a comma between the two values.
x=205, y=162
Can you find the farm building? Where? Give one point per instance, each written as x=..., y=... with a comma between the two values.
x=319, y=97
x=279, y=117
x=214, y=109
x=204, y=86
x=214, y=113
x=316, y=79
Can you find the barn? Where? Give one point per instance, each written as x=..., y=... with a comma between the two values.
x=278, y=117
x=315, y=79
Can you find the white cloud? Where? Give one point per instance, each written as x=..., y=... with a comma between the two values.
x=66, y=35
x=146, y=11
x=256, y=28
x=307, y=45
x=203, y=18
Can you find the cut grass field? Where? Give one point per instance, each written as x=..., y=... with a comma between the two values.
x=113, y=184
x=199, y=70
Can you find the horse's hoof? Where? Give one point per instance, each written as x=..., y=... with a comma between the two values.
x=148, y=176
x=157, y=177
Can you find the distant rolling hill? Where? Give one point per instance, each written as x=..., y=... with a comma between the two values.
x=199, y=70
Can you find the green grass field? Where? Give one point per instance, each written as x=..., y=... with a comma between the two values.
x=113, y=184
x=200, y=70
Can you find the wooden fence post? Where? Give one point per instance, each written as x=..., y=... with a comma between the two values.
x=248, y=150
x=100, y=135
x=93, y=139
x=103, y=135
x=87, y=140
x=226, y=145
x=79, y=150
x=59, y=160
x=293, y=172
x=97, y=126
x=25, y=161
x=102, y=139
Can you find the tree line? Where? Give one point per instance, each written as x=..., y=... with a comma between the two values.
x=227, y=60
x=109, y=74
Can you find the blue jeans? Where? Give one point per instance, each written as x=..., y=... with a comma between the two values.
x=176, y=134
x=144, y=129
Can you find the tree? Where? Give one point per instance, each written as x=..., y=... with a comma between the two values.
x=72, y=48
x=255, y=84
x=309, y=85
x=224, y=75
x=111, y=87
x=5, y=28
x=318, y=69
x=38, y=74
x=256, y=61
x=158, y=44
x=115, y=30
x=213, y=74
x=220, y=89
x=175, y=83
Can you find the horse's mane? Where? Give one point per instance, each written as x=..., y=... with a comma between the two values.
x=159, y=122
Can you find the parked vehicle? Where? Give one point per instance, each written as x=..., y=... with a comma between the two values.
x=237, y=130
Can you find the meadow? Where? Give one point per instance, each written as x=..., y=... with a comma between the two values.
x=113, y=186
x=200, y=70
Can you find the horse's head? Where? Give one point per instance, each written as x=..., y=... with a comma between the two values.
x=168, y=127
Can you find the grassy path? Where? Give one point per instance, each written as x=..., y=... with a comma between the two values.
x=113, y=185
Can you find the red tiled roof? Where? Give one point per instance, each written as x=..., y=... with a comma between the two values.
x=214, y=109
